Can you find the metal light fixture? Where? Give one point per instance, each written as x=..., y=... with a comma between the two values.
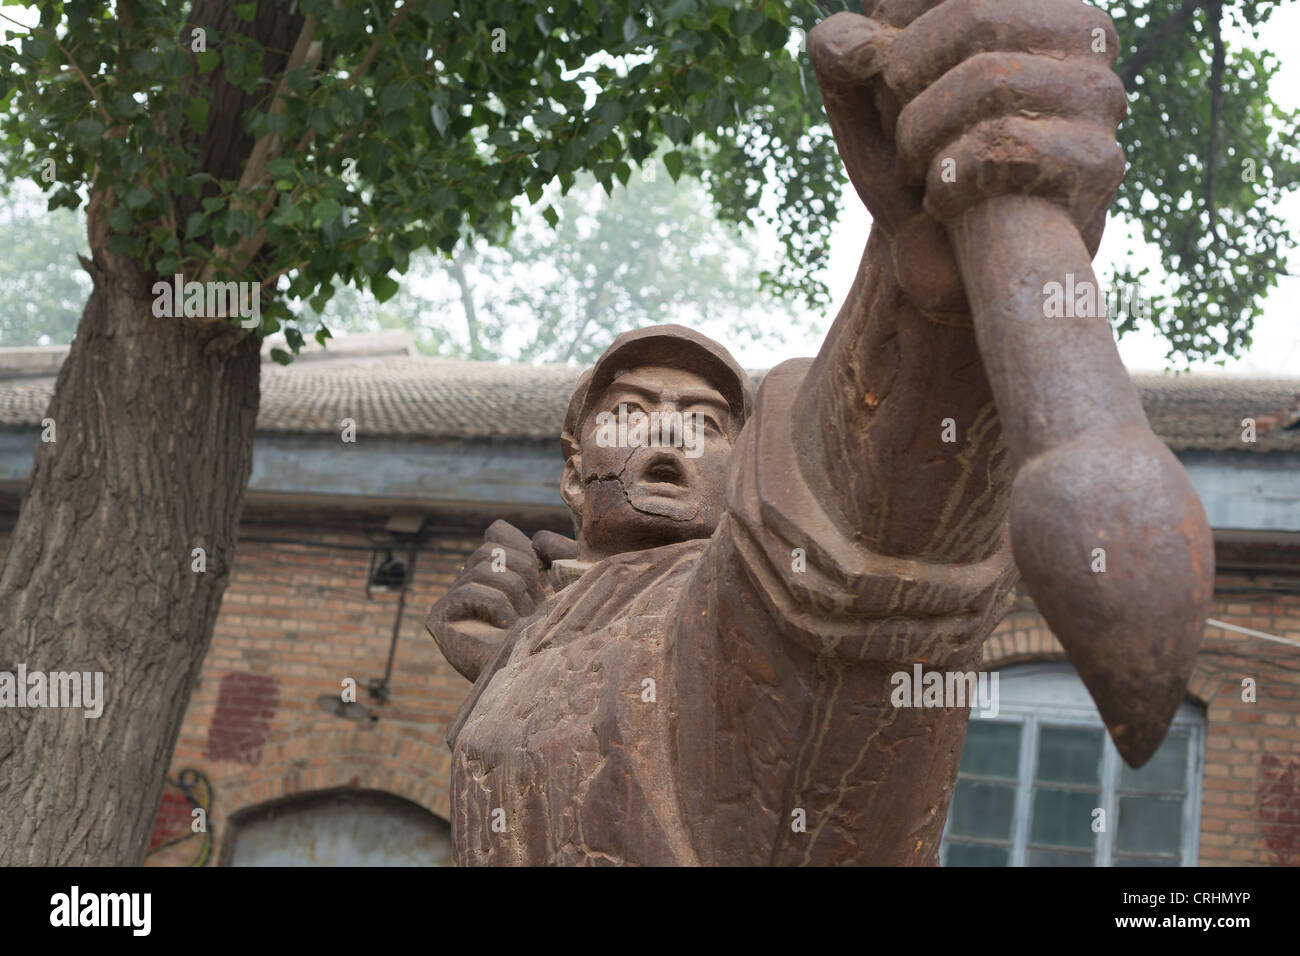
x=336, y=706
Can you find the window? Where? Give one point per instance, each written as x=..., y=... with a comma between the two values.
x=1033, y=778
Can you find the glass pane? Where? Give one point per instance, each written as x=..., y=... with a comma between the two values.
x=1150, y=824
x=992, y=749
x=1059, y=858
x=1063, y=818
x=1069, y=755
x=971, y=854
x=1166, y=770
x=982, y=810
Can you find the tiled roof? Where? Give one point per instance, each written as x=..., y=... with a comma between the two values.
x=409, y=395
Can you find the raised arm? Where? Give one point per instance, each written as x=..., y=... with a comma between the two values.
x=867, y=525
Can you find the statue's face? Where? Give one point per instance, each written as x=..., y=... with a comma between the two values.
x=652, y=471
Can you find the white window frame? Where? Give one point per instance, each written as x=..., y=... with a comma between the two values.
x=1034, y=695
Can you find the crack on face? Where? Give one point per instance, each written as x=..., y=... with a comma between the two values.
x=679, y=474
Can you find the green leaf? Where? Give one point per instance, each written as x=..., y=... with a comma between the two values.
x=196, y=110
x=88, y=130
x=678, y=129
x=673, y=163
x=207, y=60
x=145, y=62
x=383, y=287
x=289, y=214
x=753, y=71
x=321, y=335
x=137, y=196
x=326, y=210
x=438, y=114
x=280, y=355
x=395, y=98
x=678, y=9
x=280, y=167
x=120, y=219
x=551, y=216
x=196, y=224
x=246, y=11
x=746, y=21
x=277, y=123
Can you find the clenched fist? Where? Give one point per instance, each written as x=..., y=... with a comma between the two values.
x=939, y=104
x=504, y=580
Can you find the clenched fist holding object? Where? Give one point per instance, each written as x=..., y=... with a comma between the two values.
x=981, y=133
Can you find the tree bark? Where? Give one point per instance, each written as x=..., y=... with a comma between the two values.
x=154, y=423
x=153, y=438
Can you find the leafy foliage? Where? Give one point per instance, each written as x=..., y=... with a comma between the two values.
x=1204, y=177
x=427, y=123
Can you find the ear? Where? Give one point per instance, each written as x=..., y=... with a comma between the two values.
x=572, y=489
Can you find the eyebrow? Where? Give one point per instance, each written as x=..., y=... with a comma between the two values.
x=687, y=396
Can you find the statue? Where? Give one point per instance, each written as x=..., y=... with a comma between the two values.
x=704, y=675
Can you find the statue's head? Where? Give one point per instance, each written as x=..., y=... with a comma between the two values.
x=648, y=438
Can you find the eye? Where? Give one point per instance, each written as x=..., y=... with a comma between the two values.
x=707, y=418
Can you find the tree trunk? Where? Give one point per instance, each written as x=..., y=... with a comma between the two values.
x=153, y=428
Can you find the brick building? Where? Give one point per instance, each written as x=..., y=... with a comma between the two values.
x=345, y=545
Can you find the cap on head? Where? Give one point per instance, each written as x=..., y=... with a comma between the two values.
x=669, y=345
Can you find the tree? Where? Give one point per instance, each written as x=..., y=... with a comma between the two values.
x=284, y=144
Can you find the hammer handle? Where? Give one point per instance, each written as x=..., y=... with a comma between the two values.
x=1108, y=532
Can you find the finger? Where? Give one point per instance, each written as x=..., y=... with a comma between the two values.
x=1074, y=163
x=898, y=13
x=478, y=602
x=467, y=645
x=554, y=547
x=946, y=35
x=503, y=579
x=525, y=564
x=500, y=555
x=845, y=50
x=992, y=84
x=503, y=532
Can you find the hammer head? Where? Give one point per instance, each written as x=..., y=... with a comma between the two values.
x=1113, y=545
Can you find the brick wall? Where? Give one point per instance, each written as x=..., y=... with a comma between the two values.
x=296, y=621
x=1250, y=810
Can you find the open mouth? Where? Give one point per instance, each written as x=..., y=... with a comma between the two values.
x=663, y=474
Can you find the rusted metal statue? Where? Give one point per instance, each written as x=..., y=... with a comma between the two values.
x=703, y=677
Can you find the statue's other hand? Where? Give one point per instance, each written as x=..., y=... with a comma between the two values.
x=936, y=104
x=503, y=580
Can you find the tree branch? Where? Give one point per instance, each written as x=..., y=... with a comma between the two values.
x=1155, y=40
x=1216, y=102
